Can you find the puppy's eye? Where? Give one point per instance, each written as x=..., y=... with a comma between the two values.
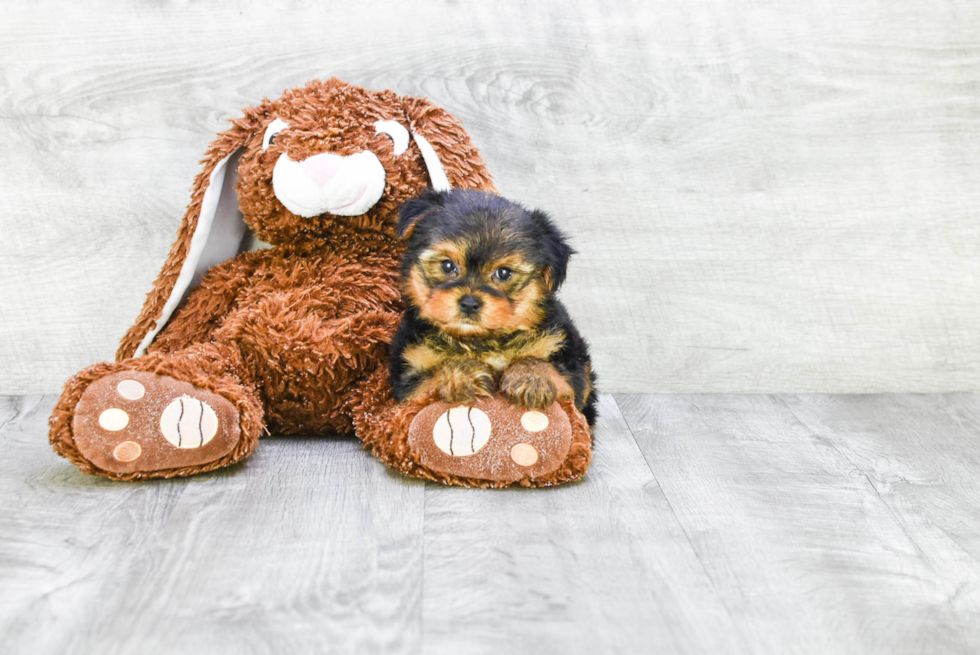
x=448, y=267
x=503, y=274
x=275, y=127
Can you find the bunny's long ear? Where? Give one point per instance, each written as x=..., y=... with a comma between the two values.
x=452, y=161
x=211, y=232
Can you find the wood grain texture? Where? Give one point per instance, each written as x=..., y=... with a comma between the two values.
x=927, y=478
x=787, y=508
x=309, y=546
x=764, y=197
x=708, y=524
x=600, y=566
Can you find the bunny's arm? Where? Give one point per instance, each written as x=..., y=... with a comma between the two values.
x=208, y=304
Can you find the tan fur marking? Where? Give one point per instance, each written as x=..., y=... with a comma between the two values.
x=534, y=383
x=499, y=317
x=464, y=380
x=546, y=345
x=525, y=345
x=549, y=279
x=497, y=313
x=431, y=259
x=423, y=357
x=453, y=363
x=425, y=388
x=441, y=307
x=514, y=262
x=588, y=383
x=497, y=361
x=467, y=331
x=416, y=288
x=527, y=306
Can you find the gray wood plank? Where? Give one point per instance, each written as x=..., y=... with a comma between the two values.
x=8, y=409
x=708, y=524
x=310, y=546
x=765, y=196
x=921, y=454
x=598, y=566
x=800, y=545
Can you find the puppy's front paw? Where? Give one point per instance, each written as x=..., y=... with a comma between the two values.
x=531, y=384
x=464, y=381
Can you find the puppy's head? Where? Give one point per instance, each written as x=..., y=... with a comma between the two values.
x=478, y=265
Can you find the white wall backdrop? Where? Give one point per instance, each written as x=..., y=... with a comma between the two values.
x=765, y=196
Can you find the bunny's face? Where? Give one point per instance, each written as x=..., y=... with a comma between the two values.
x=326, y=164
x=331, y=152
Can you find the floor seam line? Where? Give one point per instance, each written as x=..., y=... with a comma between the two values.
x=687, y=537
x=867, y=476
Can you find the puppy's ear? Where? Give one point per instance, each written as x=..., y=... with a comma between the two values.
x=556, y=250
x=414, y=210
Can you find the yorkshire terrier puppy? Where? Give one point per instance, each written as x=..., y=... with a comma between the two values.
x=479, y=278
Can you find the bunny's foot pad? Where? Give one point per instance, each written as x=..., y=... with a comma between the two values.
x=491, y=440
x=136, y=421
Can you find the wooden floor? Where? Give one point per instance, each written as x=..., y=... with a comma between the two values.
x=708, y=524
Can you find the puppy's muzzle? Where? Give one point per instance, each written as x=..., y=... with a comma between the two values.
x=470, y=305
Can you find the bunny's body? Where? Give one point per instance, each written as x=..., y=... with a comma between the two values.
x=293, y=338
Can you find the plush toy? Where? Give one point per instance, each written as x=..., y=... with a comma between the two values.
x=292, y=337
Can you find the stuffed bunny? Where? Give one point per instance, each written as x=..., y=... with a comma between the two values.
x=292, y=337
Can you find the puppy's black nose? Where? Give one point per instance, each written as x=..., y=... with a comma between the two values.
x=470, y=304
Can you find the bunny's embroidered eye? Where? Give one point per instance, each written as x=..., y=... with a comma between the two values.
x=396, y=131
x=275, y=127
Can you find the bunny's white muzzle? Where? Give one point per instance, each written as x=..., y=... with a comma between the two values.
x=329, y=184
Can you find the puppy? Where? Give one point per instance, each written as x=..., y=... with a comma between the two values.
x=478, y=278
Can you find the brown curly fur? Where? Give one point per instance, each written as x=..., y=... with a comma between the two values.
x=296, y=336
x=208, y=366
x=383, y=428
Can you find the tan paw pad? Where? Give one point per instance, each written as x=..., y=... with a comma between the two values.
x=534, y=421
x=127, y=451
x=461, y=431
x=188, y=422
x=130, y=389
x=113, y=419
x=524, y=454
x=492, y=440
x=131, y=421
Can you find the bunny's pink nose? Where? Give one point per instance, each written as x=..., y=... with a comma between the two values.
x=320, y=168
